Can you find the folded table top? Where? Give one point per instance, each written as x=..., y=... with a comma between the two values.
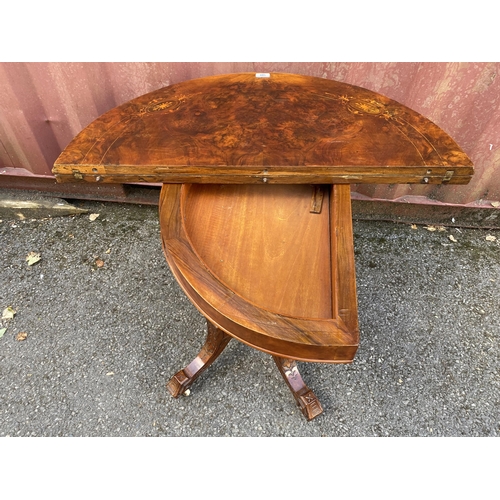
x=258, y=127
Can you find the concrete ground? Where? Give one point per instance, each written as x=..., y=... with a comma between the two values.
x=94, y=329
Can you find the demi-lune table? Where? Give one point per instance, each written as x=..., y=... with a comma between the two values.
x=255, y=208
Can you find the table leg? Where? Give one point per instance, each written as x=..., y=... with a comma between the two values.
x=305, y=397
x=215, y=343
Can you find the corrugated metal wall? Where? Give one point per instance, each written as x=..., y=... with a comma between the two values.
x=44, y=105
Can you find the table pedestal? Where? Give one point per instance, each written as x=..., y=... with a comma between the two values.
x=215, y=343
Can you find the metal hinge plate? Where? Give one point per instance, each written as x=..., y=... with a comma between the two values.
x=448, y=175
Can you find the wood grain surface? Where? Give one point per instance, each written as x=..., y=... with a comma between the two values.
x=265, y=244
x=281, y=128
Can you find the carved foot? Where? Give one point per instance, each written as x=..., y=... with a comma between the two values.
x=306, y=399
x=216, y=341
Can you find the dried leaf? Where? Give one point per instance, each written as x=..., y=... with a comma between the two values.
x=33, y=258
x=2, y=331
x=414, y=226
x=430, y=228
x=93, y=217
x=21, y=336
x=108, y=250
x=452, y=238
x=8, y=313
x=99, y=263
x=495, y=204
x=490, y=237
x=440, y=228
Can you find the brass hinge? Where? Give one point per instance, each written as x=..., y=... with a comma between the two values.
x=448, y=175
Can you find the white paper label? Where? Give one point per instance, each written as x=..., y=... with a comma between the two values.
x=262, y=75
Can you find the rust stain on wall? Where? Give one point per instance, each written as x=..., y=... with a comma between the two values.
x=44, y=105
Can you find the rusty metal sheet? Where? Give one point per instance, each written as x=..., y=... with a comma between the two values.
x=44, y=105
